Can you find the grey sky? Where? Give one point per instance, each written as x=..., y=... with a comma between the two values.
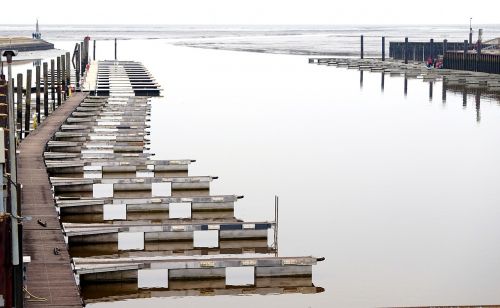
x=251, y=12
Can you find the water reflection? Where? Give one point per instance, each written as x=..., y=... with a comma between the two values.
x=478, y=92
x=198, y=287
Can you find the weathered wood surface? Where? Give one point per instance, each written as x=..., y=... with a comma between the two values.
x=49, y=275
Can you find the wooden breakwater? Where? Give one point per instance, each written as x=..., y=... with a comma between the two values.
x=473, y=61
x=421, y=51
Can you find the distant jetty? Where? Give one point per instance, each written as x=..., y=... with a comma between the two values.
x=24, y=44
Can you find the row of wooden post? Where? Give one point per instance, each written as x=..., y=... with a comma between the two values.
x=58, y=83
x=432, y=50
x=362, y=45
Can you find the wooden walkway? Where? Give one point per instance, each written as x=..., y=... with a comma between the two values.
x=49, y=275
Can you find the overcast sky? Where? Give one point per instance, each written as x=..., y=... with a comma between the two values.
x=251, y=12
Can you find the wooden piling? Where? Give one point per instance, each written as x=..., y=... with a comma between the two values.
x=45, y=89
x=466, y=48
x=37, y=101
x=431, y=48
x=406, y=50
x=63, y=77
x=27, y=112
x=78, y=59
x=59, y=86
x=383, y=48
x=362, y=47
x=52, y=84
x=68, y=71
x=82, y=65
x=19, y=119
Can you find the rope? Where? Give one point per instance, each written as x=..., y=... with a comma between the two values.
x=35, y=298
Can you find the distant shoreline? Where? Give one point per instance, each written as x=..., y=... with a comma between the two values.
x=24, y=44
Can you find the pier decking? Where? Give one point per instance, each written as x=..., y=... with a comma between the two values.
x=96, y=195
x=49, y=274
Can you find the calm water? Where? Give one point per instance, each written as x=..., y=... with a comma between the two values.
x=284, y=39
x=398, y=193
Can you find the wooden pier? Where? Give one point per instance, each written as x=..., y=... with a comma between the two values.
x=107, y=217
x=49, y=273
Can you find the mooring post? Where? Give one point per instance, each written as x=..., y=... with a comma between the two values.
x=383, y=48
x=77, y=59
x=276, y=219
x=362, y=47
x=82, y=65
x=45, y=89
x=431, y=49
x=466, y=48
x=63, y=77
x=406, y=50
x=37, y=101
x=52, y=86
x=27, y=112
x=19, y=112
x=68, y=70
x=93, y=55
x=116, y=58
x=59, y=86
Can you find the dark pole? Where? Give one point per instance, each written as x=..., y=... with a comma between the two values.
x=470, y=31
x=94, y=52
x=383, y=48
x=431, y=49
x=466, y=48
x=445, y=46
x=19, y=125
x=45, y=90
x=59, y=86
x=362, y=47
x=406, y=50
x=52, y=84
x=37, y=101
x=116, y=57
x=27, y=112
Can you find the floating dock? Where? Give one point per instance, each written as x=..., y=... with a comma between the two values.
x=118, y=220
